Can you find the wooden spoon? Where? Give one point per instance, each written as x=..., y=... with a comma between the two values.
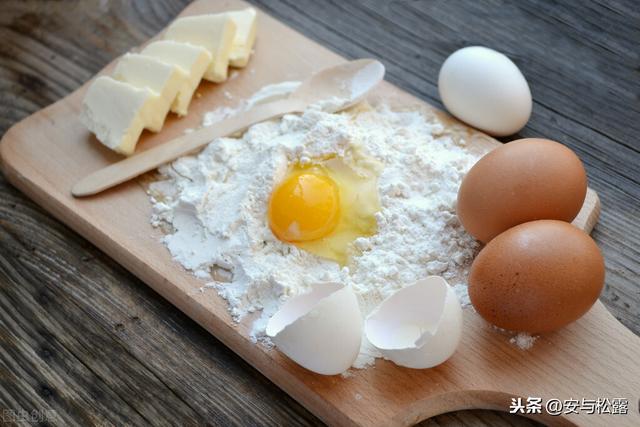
x=341, y=86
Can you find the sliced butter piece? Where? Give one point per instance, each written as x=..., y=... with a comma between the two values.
x=213, y=32
x=192, y=60
x=245, y=37
x=162, y=78
x=117, y=112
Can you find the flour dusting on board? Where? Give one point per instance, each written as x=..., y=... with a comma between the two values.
x=523, y=340
x=265, y=94
x=213, y=206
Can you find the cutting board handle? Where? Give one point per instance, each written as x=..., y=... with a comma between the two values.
x=598, y=345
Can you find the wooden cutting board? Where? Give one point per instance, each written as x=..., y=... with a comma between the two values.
x=596, y=357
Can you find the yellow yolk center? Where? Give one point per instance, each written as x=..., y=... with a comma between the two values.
x=304, y=207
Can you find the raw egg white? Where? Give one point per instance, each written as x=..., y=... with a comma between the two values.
x=320, y=330
x=485, y=89
x=323, y=207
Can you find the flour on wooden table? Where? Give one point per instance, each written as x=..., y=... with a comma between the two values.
x=213, y=206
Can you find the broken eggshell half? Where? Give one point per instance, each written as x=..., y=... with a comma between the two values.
x=320, y=330
x=419, y=326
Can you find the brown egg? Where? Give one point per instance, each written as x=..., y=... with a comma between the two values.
x=521, y=181
x=536, y=277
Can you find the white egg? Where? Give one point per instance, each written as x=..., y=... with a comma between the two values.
x=320, y=330
x=419, y=326
x=485, y=89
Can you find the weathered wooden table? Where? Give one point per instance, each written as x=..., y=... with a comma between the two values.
x=84, y=342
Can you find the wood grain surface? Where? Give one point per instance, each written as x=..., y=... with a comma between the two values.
x=70, y=340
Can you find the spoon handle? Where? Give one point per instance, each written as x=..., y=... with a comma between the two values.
x=150, y=159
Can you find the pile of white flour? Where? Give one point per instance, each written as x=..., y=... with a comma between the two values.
x=214, y=209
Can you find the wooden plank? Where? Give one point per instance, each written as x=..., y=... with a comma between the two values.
x=311, y=12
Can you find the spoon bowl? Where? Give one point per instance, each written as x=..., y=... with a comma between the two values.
x=342, y=85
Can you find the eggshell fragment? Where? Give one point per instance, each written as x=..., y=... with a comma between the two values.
x=320, y=330
x=536, y=277
x=486, y=89
x=419, y=326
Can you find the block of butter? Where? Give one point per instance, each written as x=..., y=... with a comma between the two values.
x=117, y=112
x=213, y=32
x=162, y=78
x=191, y=59
x=245, y=37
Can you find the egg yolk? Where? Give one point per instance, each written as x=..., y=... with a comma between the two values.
x=304, y=207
